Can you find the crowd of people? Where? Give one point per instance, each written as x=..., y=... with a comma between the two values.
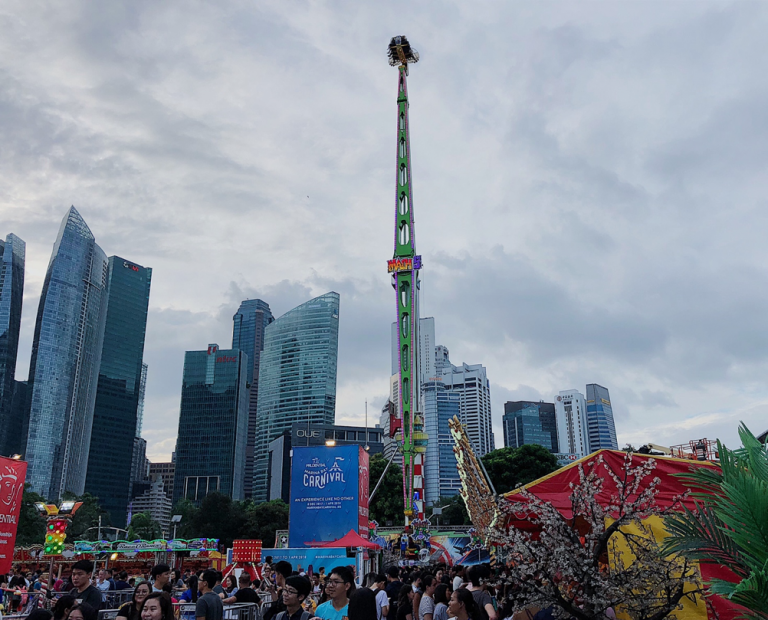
x=400, y=593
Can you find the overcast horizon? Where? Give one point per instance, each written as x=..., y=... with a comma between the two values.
x=589, y=187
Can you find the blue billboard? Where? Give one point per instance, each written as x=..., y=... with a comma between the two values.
x=329, y=494
x=307, y=558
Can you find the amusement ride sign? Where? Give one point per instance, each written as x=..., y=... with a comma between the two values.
x=12, y=476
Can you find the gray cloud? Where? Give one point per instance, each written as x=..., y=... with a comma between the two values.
x=589, y=187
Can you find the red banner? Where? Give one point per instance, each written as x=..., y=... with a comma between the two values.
x=363, y=477
x=12, y=476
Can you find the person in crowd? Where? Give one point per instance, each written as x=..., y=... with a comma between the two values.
x=39, y=614
x=132, y=609
x=315, y=583
x=393, y=590
x=63, y=606
x=405, y=603
x=178, y=582
x=84, y=611
x=160, y=575
x=83, y=590
x=441, y=602
x=103, y=584
x=417, y=593
x=218, y=588
x=462, y=605
x=244, y=593
x=282, y=570
x=481, y=596
x=340, y=585
x=427, y=603
x=191, y=594
x=266, y=578
x=362, y=605
x=459, y=577
x=209, y=605
x=157, y=606
x=295, y=592
x=121, y=583
x=230, y=587
x=376, y=582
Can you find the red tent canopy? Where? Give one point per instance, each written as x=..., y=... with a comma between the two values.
x=350, y=539
x=555, y=488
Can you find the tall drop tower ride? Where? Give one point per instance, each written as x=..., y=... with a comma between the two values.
x=404, y=268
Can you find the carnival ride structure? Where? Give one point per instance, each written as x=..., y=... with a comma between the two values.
x=407, y=424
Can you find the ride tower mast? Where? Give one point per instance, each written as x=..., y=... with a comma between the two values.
x=404, y=267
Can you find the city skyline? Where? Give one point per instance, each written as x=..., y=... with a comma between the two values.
x=596, y=250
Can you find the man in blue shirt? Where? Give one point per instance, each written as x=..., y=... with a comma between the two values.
x=339, y=586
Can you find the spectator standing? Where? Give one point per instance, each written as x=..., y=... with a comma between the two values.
x=382, y=600
x=84, y=591
x=160, y=575
x=157, y=606
x=282, y=571
x=427, y=603
x=132, y=610
x=209, y=605
x=339, y=586
x=458, y=577
x=441, y=602
x=244, y=593
x=121, y=583
x=481, y=596
x=295, y=591
x=405, y=603
x=362, y=604
x=393, y=591
x=462, y=605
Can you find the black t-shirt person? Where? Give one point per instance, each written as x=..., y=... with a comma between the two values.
x=247, y=595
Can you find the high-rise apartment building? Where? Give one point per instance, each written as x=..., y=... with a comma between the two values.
x=297, y=376
x=142, y=394
x=602, y=431
x=118, y=394
x=213, y=424
x=528, y=422
x=470, y=382
x=12, y=256
x=390, y=408
x=572, y=429
x=251, y=319
x=66, y=355
x=441, y=475
x=166, y=471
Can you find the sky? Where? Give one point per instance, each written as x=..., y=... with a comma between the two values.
x=589, y=186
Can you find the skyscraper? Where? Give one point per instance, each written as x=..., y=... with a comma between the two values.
x=66, y=354
x=571, y=415
x=527, y=422
x=441, y=476
x=12, y=252
x=602, y=431
x=118, y=393
x=213, y=424
x=251, y=319
x=470, y=382
x=297, y=376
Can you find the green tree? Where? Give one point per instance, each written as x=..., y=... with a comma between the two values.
x=263, y=520
x=454, y=512
x=730, y=524
x=144, y=527
x=509, y=467
x=219, y=517
x=86, y=517
x=31, y=530
x=387, y=504
x=188, y=512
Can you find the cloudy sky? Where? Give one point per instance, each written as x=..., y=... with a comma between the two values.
x=589, y=186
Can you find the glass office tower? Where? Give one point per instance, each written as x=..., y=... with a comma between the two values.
x=119, y=388
x=297, y=376
x=66, y=353
x=251, y=319
x=602, y=431
x=213, y=425
x=12, y=252
x=441, y=474
x=530, y=422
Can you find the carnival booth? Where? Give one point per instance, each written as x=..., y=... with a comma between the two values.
x=556, y=489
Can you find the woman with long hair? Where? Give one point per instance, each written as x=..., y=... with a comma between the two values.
x=441, y=602
x=462, y=605
x=191, y=593
x=362, y=605
x=405, y=603
x=157, y=606
x=231, y=584
x=132, y=610
x=83, y=611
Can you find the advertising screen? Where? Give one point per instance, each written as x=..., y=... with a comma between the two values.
x=12, y=476
x=325, y=493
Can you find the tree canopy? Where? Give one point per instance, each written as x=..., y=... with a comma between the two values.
x=508, y=467
x=387, y=504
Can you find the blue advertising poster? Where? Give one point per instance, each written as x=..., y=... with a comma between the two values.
x=324, y=494
x=303, y=559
